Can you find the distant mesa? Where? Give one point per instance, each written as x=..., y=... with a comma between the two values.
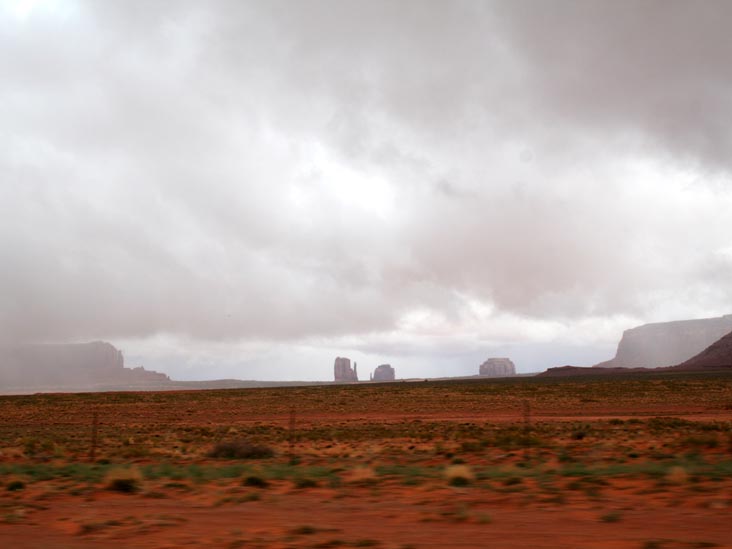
x=497, y=367
x=342, y=371
x=718, y=355
x=70, y=366
x=384, y=372
x=571, y=371
x=664, y=344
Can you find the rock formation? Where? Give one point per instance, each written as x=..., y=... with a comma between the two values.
x=717, y=355
x=497, y=367
x=667, y=343
x=342, y=370
x=72, y=366
x=384, y=373
x=574, y=371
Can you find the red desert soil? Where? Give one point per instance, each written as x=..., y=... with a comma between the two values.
x=480, y=463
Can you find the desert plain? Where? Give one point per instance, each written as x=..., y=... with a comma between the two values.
x=642, y=461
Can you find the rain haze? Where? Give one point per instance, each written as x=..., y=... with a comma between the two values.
x=250, y=189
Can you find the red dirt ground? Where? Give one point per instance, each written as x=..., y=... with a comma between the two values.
x=547, y=507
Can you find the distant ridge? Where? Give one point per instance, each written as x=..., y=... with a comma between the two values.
x=717, y=355
x=70, y=366
x=663, y=344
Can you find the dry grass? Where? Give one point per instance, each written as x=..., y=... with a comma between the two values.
x=459, y=475
x=123, y=479
x=361, y=475
x=677, y=475
x=241, y=449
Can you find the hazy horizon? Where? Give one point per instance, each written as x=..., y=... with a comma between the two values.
x=250, y=189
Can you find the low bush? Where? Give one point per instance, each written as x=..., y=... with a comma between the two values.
x=240, y=449
x=305, y=483
x=126, y=480
x=362, y=475
x=304, y=530
x=256, y=482
x=613, y=516
x=512, y=481
x=459, y=475
x=15, y=485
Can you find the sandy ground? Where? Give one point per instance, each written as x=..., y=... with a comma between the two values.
x=525, y=498
x=389, y=518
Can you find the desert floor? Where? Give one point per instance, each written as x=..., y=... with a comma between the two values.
x=638, y=462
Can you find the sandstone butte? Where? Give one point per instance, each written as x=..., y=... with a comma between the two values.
x=497, y=367
x=384, y=372
x=342, y=371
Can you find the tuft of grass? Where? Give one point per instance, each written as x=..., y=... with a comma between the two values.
x=123, y=479
x=255, y=482
x=330, y=543
x=366, y=543
x=612, y=516
x=459, y=475
x=304, y=530
x=472, y=446
x=362, y=475
x=15, y=485
x=92, y=527
x=512, y=481
x=305, y=483
x=240, y=449
x=677, y=475
x=484, y=518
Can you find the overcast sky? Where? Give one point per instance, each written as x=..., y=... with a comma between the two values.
x=250, y=189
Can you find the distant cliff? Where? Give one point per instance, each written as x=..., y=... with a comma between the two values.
x=717, y=355
x=667, y=343
x=70, y=366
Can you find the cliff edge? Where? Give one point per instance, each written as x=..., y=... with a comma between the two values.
x=664, y=344
x=70, y=366
x=717, y=355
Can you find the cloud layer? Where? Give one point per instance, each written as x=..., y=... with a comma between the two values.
x=401, y=179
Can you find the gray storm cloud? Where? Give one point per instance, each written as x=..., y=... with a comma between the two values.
x=282, y=171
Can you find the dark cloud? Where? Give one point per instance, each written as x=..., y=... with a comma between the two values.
x=362, y=174
x=650, y=71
